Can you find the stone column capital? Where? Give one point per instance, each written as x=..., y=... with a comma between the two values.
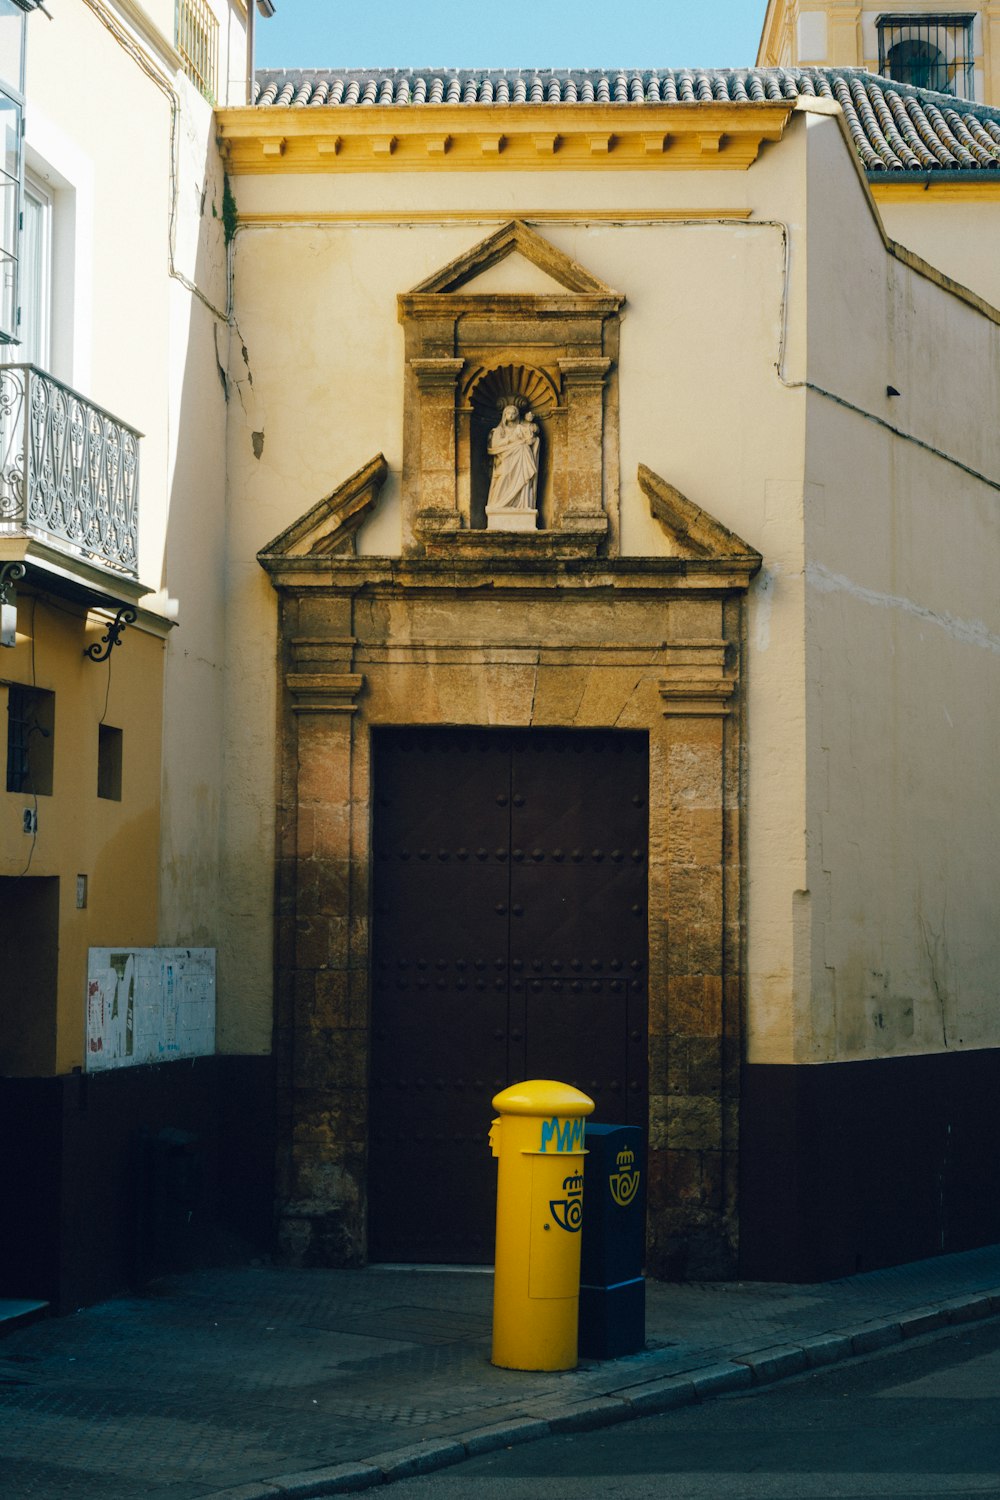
x=437, y=374
x=582, y=372
x=697, y=683
x=324, y=692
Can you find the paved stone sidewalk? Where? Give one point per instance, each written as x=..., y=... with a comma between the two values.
x=252, y=1383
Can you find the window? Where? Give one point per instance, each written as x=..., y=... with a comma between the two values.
x=31, y=716
x=36, y=275
x=930, y=52
x=198, y=43
x=109, y=763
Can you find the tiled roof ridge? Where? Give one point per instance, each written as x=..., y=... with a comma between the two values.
x=895, y=127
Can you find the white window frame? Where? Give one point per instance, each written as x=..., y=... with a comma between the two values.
x=36, y=275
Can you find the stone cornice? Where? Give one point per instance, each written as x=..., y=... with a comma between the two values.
x=506, y=304
x=536, y=137
x=498, y=575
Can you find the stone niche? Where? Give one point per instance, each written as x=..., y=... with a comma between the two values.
x=473, y=349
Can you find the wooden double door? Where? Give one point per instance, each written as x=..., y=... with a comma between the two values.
x=509, y=941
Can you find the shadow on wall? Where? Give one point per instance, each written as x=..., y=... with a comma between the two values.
x=134, y=1172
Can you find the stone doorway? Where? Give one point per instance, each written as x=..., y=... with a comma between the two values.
x=510, y=896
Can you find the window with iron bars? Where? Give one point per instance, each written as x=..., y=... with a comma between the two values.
x=30, y=726
x=930, y=52
x=197, y=32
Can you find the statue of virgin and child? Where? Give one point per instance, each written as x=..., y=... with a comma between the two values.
x=512, y=503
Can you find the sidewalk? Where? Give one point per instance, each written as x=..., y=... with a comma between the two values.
x=252, y=1383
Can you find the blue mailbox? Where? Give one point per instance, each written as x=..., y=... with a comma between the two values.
x=612, y=1288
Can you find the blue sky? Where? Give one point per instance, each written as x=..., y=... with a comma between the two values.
x=540, y=33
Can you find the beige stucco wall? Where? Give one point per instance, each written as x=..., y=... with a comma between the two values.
x=700, y=403
x=903, y=648
x=713, y=369
x=955, y=228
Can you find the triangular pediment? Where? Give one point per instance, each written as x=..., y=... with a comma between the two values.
x=514, y=239
x=691, y=531
x=330, y=527
x=517, y=274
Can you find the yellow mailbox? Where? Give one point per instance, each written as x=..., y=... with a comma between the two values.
x=538, y=1139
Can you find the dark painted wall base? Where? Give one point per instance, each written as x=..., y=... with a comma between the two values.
x=110, y=1178
x=848, y=1167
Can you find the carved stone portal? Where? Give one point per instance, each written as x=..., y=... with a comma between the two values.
x=511, y=408
x=652, y=645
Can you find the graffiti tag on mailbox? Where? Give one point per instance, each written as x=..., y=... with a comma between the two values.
x=567, y=1135
x=625, y=1182
x=568, y=1211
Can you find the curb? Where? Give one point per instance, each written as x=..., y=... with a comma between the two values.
x=742, y=1372
x=15, y=1315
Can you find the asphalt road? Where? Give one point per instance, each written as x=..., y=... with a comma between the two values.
x=915, y=1421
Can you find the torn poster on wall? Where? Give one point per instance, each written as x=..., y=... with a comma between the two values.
x=147, y=1005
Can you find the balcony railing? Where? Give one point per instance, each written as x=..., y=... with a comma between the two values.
x=69, y=471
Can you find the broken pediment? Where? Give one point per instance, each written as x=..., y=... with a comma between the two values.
x=330, y=528
x=691, y=531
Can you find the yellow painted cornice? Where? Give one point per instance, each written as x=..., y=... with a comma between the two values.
x=951, y=190
x=428, y=138
x=438, y=216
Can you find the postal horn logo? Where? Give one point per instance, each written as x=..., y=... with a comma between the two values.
x=568, y=1211
x=625, y=1182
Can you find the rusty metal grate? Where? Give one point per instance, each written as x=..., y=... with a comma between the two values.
x=928, y=51
x=197, y=33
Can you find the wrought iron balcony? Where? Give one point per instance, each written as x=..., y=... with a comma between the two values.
x=69, y=471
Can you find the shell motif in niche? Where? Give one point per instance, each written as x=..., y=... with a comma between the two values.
x=512, y=385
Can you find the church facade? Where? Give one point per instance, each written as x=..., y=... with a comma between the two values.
x=659, y=766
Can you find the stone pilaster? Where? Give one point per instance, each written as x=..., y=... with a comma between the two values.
x=322, y=1017
x=436, y=381
x=583, y=391
x=692, y=1146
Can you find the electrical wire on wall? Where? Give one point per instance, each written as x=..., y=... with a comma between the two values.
x=107, y=691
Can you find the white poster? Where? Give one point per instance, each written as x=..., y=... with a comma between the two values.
x=147, y=1005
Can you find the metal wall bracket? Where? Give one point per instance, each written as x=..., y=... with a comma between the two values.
x=125, y=616
x=9, y=573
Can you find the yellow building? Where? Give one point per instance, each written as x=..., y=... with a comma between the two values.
x=948, y=48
